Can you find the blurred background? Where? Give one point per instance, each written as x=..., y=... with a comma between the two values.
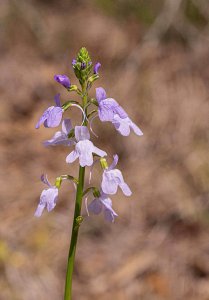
x=155, y=63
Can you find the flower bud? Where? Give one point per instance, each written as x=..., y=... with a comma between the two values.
x=73, y=61
x=96, y=68
x=63, y=79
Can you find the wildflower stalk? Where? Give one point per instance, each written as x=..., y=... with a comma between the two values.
x=108, y=110
x=77, y=219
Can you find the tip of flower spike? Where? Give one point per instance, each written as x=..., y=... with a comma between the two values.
x=83, y=65
x=83, y=56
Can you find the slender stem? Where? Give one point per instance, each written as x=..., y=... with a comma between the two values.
x=84, y=100
x=77, y=217
x=74, y=236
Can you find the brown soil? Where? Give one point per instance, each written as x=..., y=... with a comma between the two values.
x=158, y=247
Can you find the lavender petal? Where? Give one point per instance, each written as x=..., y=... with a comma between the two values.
x=45, y=180
x=39, y=210
x=136, y=129
x=99, y=152
x=72, y=157
x=54, y=118
x=109, y=184
x=100, y=94
x=125, y=189
x=43, y=118
x=85, y=149
x=114, y=163
x=82, y=133
x=97, y=67
x=57, y=100
x=95, y=206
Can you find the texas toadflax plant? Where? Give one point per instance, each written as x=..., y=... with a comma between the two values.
x=78, y=138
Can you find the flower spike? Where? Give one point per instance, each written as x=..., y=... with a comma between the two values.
x=84, y=150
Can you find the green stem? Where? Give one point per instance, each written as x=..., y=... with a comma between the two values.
x=77, y=217
x=74, y=236
x=85, y=95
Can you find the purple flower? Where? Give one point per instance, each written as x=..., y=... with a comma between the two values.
x=125, y=125
x=63, y=79
x=74, y=61
x=84, y=148
x=103, y=204
x=48, y=198
x=83, y=65
x=108, y=107
x=61, y=137
x=52, y=116
x=96, y=68
x=112, y=178
x=110, y=110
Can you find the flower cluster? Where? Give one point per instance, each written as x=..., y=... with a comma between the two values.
x=78, y=136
